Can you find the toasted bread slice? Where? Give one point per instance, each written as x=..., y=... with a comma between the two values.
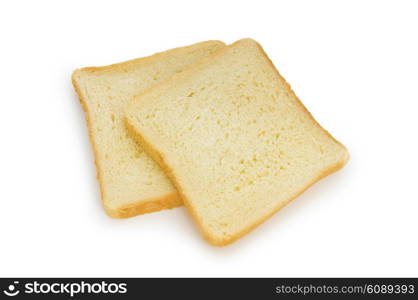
x=235, y=140
x=130, y=182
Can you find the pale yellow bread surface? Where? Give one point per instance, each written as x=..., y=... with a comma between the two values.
x=130, y=182
x=235, y=140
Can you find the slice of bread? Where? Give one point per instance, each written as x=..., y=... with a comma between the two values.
x=235, y=140
x=130, y=182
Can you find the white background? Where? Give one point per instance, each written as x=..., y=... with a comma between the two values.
x=355, y=66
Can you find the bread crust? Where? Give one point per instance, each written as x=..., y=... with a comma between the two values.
x=167, y=201
x=161, y=160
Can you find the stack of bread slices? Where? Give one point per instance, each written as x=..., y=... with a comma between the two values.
x=212, y=126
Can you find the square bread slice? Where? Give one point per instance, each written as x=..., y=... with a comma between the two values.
x=235, y=140
x=130, y=182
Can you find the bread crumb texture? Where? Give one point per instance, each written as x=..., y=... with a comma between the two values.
x=130, y=182
x=235, y=139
